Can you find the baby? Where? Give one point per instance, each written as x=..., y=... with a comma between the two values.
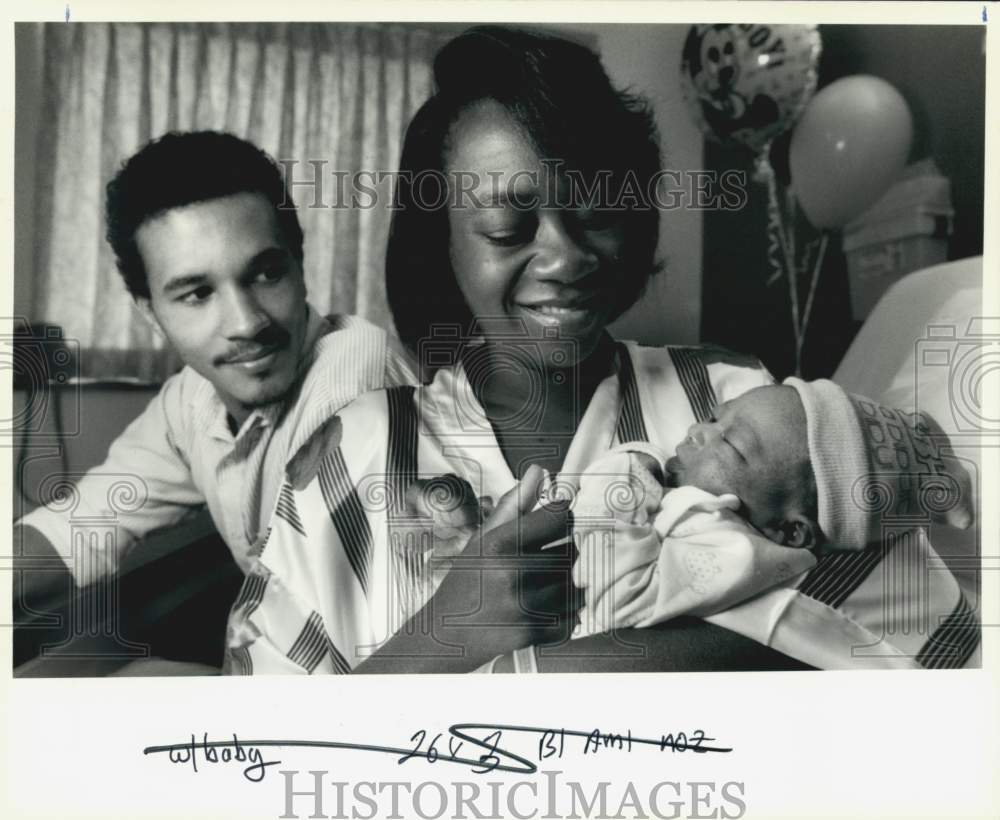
x=727, y=527
x=777, y=476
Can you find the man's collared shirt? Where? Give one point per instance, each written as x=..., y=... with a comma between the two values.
x=180, y=453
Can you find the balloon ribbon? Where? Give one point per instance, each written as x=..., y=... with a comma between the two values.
x=817, y=267
x=777, y=242
x=781, y=255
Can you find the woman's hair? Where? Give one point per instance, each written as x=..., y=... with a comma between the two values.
x=180, y=168
x=559, y=95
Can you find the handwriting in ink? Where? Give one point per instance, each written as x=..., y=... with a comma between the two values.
x=224, y=751
x=495, y=757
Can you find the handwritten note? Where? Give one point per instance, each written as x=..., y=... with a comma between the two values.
x=491, y=740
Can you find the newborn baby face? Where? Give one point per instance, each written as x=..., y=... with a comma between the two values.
x=755, y=447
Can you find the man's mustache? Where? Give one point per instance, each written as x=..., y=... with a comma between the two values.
x=271, y=338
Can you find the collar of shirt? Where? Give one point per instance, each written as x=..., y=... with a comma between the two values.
x=210, y=413
x=452, y=413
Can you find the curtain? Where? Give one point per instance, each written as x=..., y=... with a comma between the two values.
x=326, y=97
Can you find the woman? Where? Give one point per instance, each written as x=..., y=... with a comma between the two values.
x=520, y=233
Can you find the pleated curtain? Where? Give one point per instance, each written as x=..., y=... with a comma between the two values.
x=324, y=98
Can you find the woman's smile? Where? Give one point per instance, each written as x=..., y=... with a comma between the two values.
x=573, y=318
x=555, y=270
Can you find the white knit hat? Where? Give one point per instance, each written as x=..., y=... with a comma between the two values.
x=875, y=465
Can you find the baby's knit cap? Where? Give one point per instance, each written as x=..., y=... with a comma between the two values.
x=874, y=464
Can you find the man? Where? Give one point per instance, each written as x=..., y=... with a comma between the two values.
x=209, y=244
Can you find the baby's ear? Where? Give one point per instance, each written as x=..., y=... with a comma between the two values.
x=795, y=531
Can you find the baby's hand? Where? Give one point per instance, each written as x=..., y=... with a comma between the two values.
x=451, y=504
x=646, y=474
x=646, y=463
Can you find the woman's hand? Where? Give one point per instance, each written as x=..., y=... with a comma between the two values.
x=503, y=592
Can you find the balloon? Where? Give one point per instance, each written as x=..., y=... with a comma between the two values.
x=746, y=84
x=853, y=140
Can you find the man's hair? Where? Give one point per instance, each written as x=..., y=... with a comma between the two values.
x=180, y=168
x=560, y=96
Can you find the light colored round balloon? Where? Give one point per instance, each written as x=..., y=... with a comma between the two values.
x=852, y=142
x=747, y=84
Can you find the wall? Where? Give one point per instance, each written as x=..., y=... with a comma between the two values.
x=647, y=59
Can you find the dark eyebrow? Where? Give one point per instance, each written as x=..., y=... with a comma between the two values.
x=268, y=255
x=257, y=261
x=184, y=282
x=523, y=199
